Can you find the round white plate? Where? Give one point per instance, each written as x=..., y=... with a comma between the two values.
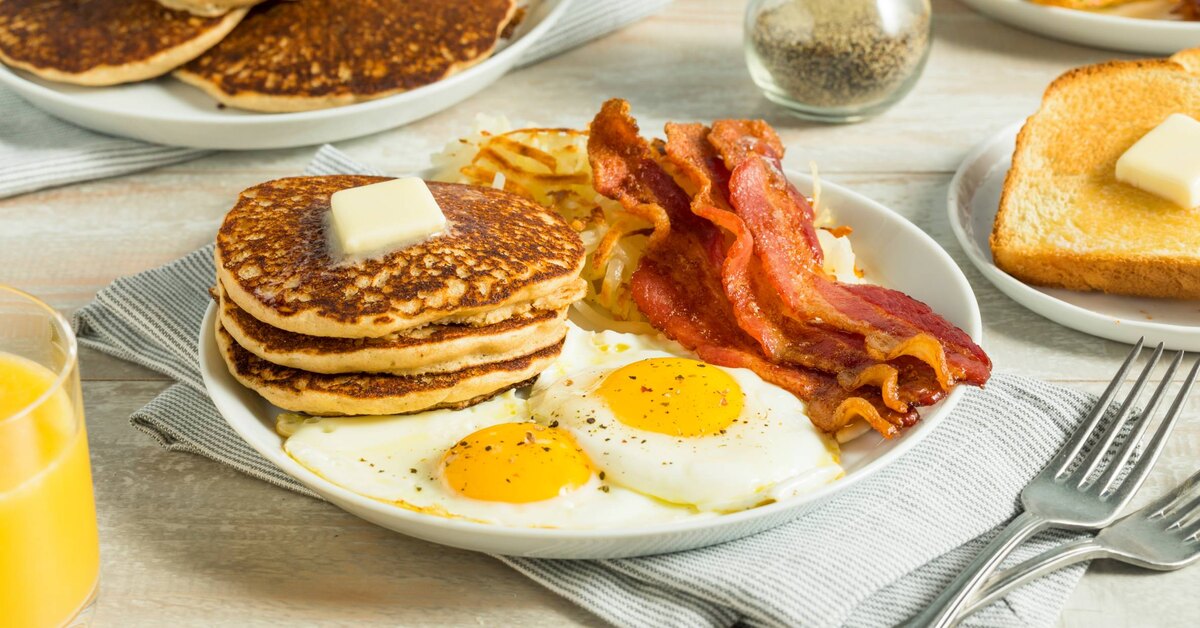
x=1151, y=36
x=167, y=111
x=895, y=253
x=973, y=201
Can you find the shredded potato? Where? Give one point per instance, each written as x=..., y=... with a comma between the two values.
x=550, y=166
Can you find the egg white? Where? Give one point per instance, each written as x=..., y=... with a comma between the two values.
x=771, y=453
x=395, y=459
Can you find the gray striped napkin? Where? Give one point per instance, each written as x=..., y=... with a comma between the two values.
x=39, y=151
x=870, y=557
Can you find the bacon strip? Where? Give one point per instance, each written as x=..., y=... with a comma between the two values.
x=757, y=308
x=678, y=284
x=780, y=220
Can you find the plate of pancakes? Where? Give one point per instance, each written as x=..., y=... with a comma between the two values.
x=487, y=388
x=253, y=74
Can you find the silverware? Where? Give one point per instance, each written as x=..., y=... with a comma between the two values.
x=1164, y=535
x=1068, y=493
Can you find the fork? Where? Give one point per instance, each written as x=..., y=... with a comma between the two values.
x=1163, y=536
x=1064, y=495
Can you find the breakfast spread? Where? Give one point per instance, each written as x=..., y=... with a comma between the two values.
x=581, y=329
x=1100, y=193
x=275, y=56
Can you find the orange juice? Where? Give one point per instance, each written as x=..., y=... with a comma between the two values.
x=49, y=551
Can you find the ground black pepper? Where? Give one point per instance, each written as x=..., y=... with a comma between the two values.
x=839, y=53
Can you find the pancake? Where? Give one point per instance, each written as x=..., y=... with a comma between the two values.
x=207, y=8
x=361, y=393
x=314, y=54
x=501, y=255
x=104, y=42
x=429, y=349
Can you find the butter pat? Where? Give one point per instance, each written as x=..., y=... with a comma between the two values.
x=1166, y=161
x=387, y=215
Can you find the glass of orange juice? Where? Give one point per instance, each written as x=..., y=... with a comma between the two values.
x=49, y=548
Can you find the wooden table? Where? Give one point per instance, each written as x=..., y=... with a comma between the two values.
x=189, y=542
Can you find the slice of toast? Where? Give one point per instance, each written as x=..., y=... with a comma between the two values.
x=1065, y=220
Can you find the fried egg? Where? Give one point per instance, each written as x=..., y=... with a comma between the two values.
x=662, y=423
x=622, y=430
x=486, y=463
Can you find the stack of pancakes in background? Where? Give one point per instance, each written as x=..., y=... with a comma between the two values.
x=278, y=55
x=445, y=323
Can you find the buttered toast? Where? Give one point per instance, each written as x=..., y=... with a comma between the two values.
x=1065, y=220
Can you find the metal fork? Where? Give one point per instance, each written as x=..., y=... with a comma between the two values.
x=1064, y=495
x=1164, y=535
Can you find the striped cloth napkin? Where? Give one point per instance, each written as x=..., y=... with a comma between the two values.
x=39, y=151
x=869, y=557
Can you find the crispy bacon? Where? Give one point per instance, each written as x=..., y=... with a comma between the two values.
x=678, y=284
x=758, y=309
x=780, y=218
x=679, y=289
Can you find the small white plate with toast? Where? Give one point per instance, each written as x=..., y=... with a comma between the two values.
x=168, y=111
x=1147, y=26
x=974, y=199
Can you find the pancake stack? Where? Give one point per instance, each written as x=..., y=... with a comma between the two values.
x=445, y=323
x=278, y=55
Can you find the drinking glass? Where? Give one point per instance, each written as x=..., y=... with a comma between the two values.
x=49, y=546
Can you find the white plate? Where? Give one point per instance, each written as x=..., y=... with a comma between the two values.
x=973, y=201
x=1159, y=37
x=896, y=254
x=167, y=111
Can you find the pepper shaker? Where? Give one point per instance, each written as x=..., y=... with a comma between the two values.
x=836, y=60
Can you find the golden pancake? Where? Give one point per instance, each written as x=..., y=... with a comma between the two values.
x=104, y=42
x=314, y=54
x=207, y=8
x=429, y=349
x=499, y=256
x=364, y=393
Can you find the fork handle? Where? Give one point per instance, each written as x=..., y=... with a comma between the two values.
x=942, y=611
x=1048, y=561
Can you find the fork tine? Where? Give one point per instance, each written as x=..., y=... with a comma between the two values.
x=1140, y=469
x=1109, y=477
x=1058, y=465
x=1094, y=457
x=1170, y=503
x=1185, y=515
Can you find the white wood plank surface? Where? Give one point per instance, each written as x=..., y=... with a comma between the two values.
x=191, y=543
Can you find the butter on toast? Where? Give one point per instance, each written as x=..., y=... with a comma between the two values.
x=1064, y=219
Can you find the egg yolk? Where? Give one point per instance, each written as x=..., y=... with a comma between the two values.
x=673, y=396
x=515, y=463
